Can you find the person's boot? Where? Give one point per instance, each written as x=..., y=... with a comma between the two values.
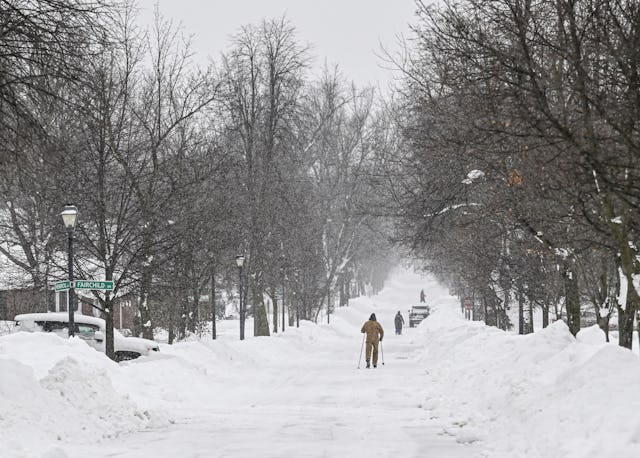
x=367, y=365
x=375, y=365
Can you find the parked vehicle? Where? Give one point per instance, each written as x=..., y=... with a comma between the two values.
x=417, y=314
x=91, y=329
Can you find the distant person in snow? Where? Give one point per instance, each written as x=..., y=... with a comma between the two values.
x=422, y=295
x=399, y=322
x=375, y=333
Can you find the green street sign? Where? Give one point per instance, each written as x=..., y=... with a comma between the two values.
x=93, y=284
x=62, y=285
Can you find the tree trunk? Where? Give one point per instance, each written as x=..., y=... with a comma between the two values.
x=628, y=265
x=603, y=322
x=144, y=309
x=260, y=320
x=530, y=327
x=213, y=304
x=572, y=298
x=329, y=308
x=172, y=321
x=292, y=309
x=184, y=311
x=545, y=315
x=173, y=324
x=626, y=315
x=275, y=311
x=109, y=334
x=503, y=313
x=484, y=305
x=520, y=313
x=194, y=317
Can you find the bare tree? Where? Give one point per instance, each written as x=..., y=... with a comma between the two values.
x=262, y=80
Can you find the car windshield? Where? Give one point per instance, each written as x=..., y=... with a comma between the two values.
x=86, y=331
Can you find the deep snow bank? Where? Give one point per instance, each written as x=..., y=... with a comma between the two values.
x=61, y=391
x=541, y=395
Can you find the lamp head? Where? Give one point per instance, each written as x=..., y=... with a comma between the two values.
x=240, y=260
x=69, y=216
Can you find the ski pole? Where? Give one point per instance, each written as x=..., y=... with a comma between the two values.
x=360, y=358
x=382, y=352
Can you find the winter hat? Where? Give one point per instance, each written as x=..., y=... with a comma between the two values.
x=372, y=317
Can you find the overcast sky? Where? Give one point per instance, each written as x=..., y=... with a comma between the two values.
x=344, y=32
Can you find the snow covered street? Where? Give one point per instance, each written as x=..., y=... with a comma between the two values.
x=301, y=395
x=312, y=404
x=448, y=388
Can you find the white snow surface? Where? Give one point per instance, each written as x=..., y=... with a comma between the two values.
x=448, y=388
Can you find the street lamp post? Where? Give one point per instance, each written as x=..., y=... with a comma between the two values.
x=240, y=263
x=69, y=216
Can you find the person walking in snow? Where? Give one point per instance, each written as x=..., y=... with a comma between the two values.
x=399, y=322
x=422, y=298
x=375, y=333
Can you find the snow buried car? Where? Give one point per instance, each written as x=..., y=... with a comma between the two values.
x=417, y=314
x=90, y=329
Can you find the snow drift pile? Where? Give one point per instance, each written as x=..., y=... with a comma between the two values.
x=58, y=390
x=540, y=395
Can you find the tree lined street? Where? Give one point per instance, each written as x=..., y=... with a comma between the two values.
x=244, y=211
